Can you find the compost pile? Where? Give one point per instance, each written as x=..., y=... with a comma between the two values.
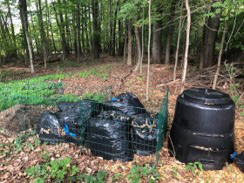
x=114, y=130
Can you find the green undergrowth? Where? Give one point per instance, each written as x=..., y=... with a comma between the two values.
x=139, y=173
x=45, y=90
x=62, y=170
x=102, y=74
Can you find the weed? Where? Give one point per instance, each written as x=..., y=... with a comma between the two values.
x=100, y=97
x=116, y=177
x=138, y=172
x=93, y=72
x=60, y=170
x=175, y=171
x=39, y=90
x=20, y=141
x=193, y=167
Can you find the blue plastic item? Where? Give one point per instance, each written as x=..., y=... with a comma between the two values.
x=66, y=130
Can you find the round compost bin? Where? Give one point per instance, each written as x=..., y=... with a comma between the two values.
x=203, y=128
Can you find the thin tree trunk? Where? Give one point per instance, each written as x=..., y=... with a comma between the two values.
x=43, y=34
x=62, y=32
x=78, y=32
x=188, y=27
x=111, y=27
x=96, y=29
x=169, y=33
x=114, y=29
x=74, y=23
x=142, y=42
x=220, y=56
x=24, y=21
x=87, y=36
x=12, y=30
x=125, y=41
x=51, y=28
x=138, y=46
x=129, y=56
x=178, y=41
x=148, y=51
x=82, y=28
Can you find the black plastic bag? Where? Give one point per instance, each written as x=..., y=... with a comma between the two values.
x=49, y=129
x=144, y=129
x=127, y=103
x=239, y=160
x=77, y=114
x=108, y=136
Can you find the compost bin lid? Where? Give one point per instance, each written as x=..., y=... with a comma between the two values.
x=206, y=96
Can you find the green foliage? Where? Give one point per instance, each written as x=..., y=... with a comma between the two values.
x=40, y=90
x=175, y=171
x=93, y=72
x=19, y=143
x=100, y=97
x=99, y=177
x=234, y=87
x=138, y=172
x=60, y=170
x=193, y=167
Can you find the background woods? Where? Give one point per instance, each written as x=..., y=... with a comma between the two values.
x=34, y=31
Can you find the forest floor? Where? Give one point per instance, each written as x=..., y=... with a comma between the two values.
x=109, y=71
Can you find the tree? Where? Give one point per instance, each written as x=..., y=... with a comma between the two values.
x=96, y=29
x=169, y=32
x=148, y=50
x=210, y=31
x=24, y=21
x=188, y=26
x=43, y=34
x=178, y=41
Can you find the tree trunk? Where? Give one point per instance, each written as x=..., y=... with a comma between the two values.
x=24, y=21
x=178, y=41
x=157, y=44
x=78, y=32
x=220, y=56
x=169, y=33
x=62, y=32
x=51, y=29
x=188, y=27
x=114, y=29
x=208, y=43
x=74, y=23
x=96, y=29
x=129, y=56
x=43, y=34
x=121, y=42
x=12, y=30
x=111, y=27
x=138, y=46
x=148, y=51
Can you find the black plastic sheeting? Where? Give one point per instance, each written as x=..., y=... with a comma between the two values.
x=49, y=128
x=108, y=136
x=127, y=103
x=114, y=130
x=70, y=121
x=144, y=134
x=239, y=160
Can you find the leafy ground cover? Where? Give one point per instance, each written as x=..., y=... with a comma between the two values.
x=25, y=159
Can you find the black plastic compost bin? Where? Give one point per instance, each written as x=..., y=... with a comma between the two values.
x=203, y=128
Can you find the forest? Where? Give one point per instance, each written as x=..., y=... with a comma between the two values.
x=68, y=50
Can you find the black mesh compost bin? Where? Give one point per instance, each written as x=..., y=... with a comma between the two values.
x=203, y=128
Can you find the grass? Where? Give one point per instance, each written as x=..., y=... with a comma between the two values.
x=94, y=72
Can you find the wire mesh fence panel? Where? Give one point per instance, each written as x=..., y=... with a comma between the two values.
x=112, y=127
